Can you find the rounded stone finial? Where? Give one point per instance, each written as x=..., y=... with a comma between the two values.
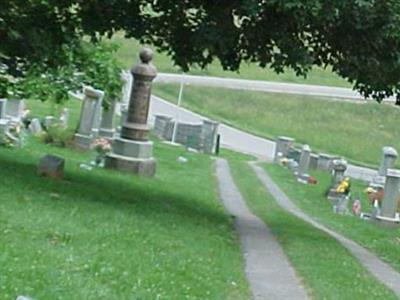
x=146, y=55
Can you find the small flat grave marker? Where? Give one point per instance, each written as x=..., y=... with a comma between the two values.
x=51, y=166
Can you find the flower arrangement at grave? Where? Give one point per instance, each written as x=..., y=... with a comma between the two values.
x=102, y=146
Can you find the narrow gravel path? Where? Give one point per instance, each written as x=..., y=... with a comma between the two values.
x=267, y=268
x=382, y=271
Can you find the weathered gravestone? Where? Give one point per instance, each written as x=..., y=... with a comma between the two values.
x=51, y=166
x=132, y=151
x=324, y=162
x=3, y=107
x=15, y=110
x=304, y=160
x=294, y=153
x=35, y=127
x=3, y=131
x=49, y=121
x=313, y=161
x=209, y=132
x=390, y=199
x=164, y=127
x=64, y=118
x=89, y=119
x=107, y=122
x=339, y=167
x=389, y=156
x=283, y=144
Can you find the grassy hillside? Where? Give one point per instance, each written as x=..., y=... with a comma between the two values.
x=356, y=131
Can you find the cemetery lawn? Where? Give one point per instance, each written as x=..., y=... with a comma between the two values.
x=356, y=131
x=326, y=268
x=385, y=243
x=129, y=49
x=101, y=234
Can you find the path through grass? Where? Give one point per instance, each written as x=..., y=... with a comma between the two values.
x=385, y=243
x=327, y=269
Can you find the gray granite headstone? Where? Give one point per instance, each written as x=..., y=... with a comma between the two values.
x=389, y=156
x=64, y=118
x=313, y=161
x=3, y=107
x=4, y=125
x=127, y=87
x=209, y=136
x=49, y=121
x=391, y=196
x=15, y=109
x=304, y=160
x=35, y=127
x=324, y=162
x=339, y=166
x=107, y=121
x=90, y=117
x=283, y=144
x=294, y=153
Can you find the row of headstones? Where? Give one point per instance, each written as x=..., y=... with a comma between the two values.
x=199, y=136
x=302, y=159
x=14, y=112
x=387, y=177
x=95, y=121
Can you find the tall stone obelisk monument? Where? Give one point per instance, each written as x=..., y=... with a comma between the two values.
x=132, y=151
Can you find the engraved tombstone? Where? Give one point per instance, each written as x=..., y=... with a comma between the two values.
x=131, y=150
x=91, y=107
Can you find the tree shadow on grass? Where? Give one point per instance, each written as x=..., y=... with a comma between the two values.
x=149, y=196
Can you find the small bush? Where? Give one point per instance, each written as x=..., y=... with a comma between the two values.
x=58, y=136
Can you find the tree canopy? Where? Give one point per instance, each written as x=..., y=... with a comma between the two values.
x=360, y=39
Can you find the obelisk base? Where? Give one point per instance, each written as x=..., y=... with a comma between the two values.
x=83, y=142
x=106, y=133
x=132, y=156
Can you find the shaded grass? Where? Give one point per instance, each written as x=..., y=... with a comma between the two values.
x=129, y=49
x=101, y=234
x=311, y=199
x=356, y=131
x=327, y=269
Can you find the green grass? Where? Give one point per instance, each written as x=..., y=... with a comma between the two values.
x=383, y=242
x=356, y=131
x=129, y=49
x=326, y=269
x=101, y=234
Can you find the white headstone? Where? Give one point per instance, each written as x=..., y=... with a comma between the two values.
x=126, y=76
x=282, y=147
x=389, y=156
x=35, y=127
x=3, y=107
x=48, y=121
x=304, y=161
x=64, y=118
x=107, y=121
x=15, y=109
x=391, y=193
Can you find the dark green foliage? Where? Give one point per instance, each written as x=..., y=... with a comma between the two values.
x=360, y=39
